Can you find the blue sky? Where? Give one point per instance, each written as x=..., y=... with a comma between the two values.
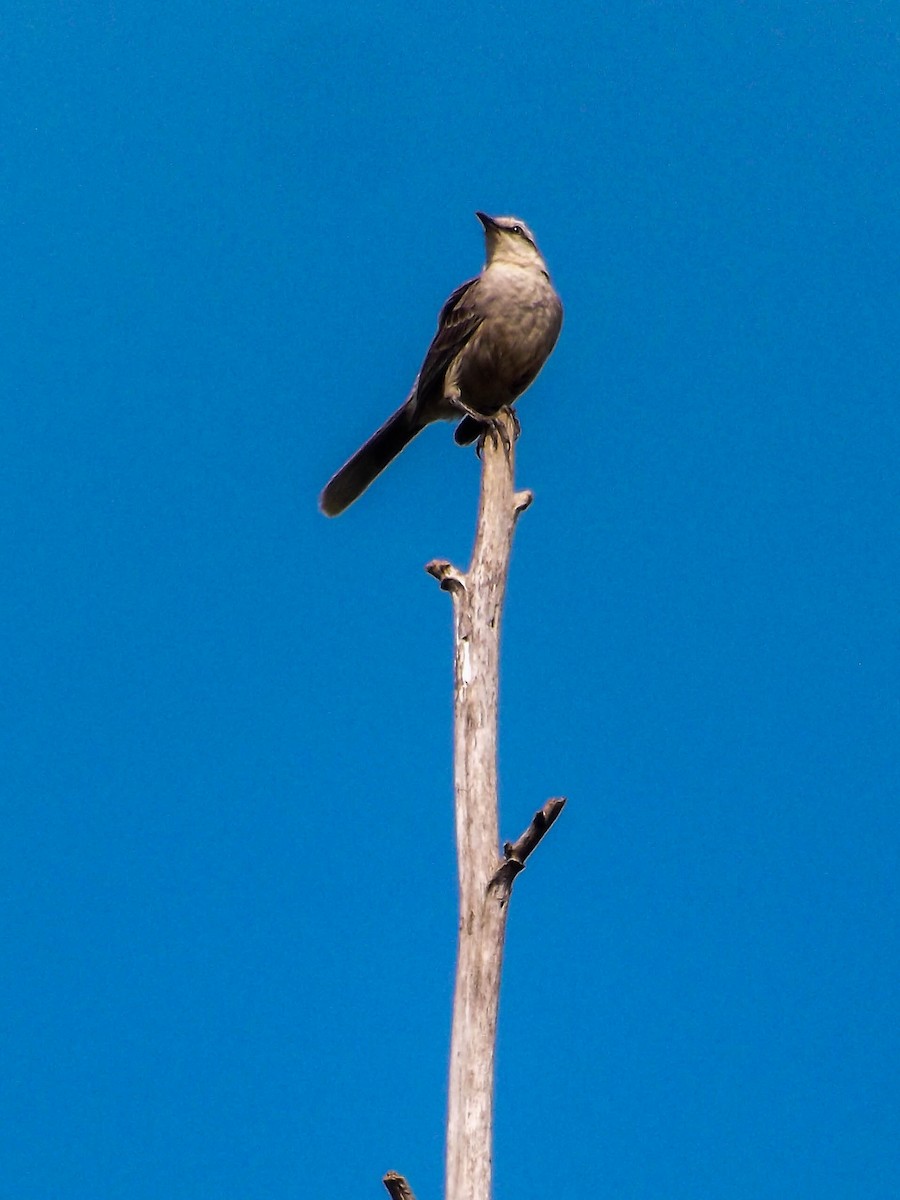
x=228, y=875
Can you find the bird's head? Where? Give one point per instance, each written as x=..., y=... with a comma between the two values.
x=509, y=240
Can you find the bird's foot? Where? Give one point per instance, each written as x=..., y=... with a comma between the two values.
x=495, y=425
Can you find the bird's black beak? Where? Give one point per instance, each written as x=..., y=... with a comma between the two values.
x=487, y=222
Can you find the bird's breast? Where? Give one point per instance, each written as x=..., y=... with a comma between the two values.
x=522, y=316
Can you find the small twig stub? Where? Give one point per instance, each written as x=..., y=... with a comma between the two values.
x=519, y=850
x=397, y=1186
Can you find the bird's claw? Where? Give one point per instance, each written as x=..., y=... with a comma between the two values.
x=494, y=425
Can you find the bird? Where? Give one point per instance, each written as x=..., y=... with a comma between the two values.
x=494, y=333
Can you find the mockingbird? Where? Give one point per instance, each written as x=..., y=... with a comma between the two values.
x=494, y=334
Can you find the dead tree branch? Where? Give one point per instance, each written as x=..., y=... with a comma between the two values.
x=485, y=880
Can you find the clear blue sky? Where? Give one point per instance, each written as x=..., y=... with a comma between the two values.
x=227, y=869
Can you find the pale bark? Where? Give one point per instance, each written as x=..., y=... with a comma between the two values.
x=485, y=878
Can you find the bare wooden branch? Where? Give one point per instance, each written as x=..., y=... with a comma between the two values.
x=484, y=879
x=519, y=850
x=446, y=574
x=397, y=1186
x=522, y=500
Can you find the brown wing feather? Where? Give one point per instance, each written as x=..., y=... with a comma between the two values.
x=457, y=322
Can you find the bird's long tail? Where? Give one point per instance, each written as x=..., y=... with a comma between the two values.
x=370, y=460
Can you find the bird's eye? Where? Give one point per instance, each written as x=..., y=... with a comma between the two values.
x=516, y=229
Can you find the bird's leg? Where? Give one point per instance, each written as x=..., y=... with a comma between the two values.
x=455, y=398
x=488, y=422
x=453, y=394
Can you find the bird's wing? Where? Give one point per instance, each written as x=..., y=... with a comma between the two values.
x=458, y=321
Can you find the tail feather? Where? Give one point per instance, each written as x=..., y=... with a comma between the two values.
x=467, y=431
x=369, y=461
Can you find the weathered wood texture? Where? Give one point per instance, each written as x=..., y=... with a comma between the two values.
x=485, y=878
